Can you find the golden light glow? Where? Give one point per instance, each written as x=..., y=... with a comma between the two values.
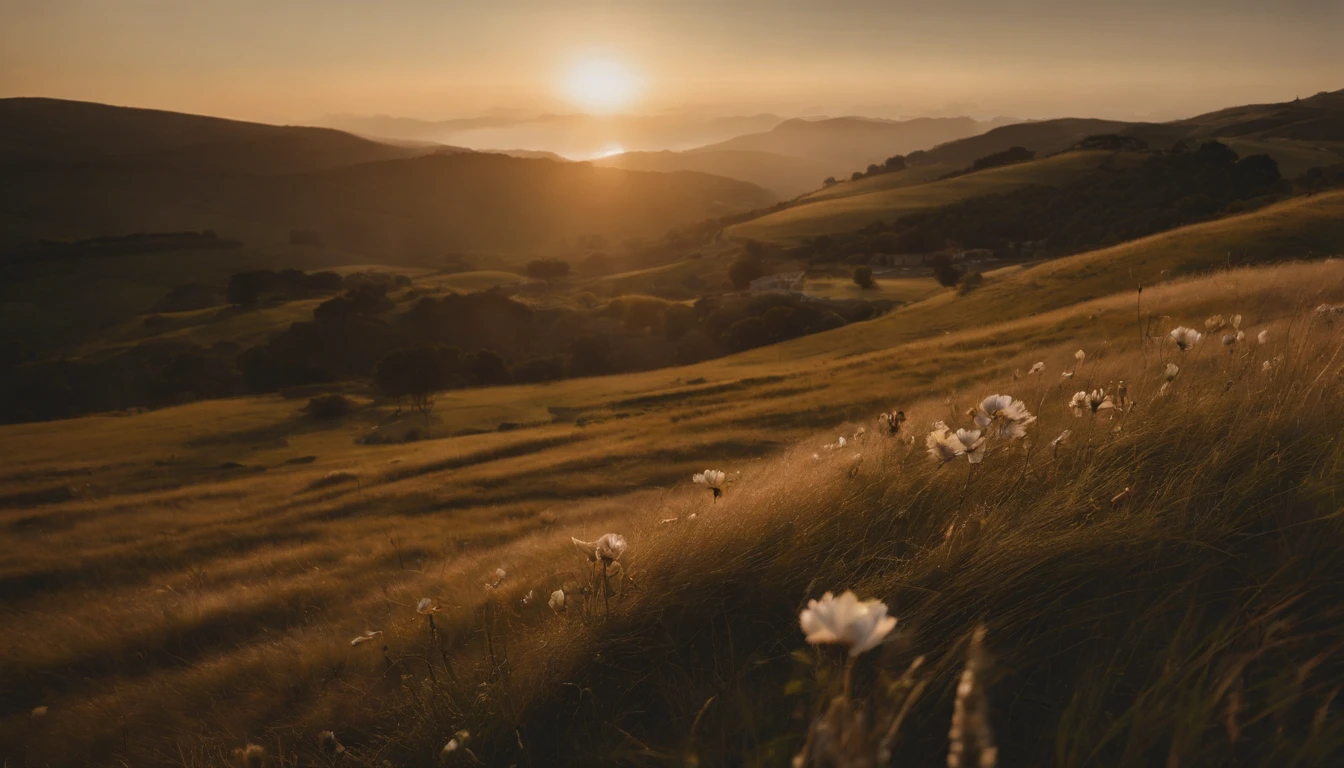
x=601, y=86
x=609, y=151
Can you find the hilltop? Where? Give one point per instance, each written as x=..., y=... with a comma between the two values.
x=79, y=171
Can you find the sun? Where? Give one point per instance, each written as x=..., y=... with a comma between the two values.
x=601, y=86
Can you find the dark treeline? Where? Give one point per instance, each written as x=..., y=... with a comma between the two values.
x=480, y=339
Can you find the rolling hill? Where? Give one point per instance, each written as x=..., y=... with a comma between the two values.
x=846, y=144
x=41, y=133
x=784, y=175
x=891, y=195
x=78, y=171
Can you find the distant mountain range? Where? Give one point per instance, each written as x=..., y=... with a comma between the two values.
x=77, y=170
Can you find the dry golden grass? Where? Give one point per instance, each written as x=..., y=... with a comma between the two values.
x=167, y=611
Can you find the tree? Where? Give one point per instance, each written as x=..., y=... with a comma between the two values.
x=895, y=163
x=246, y=288
x=829, y=181
x=486, y=369
x=943, y=271
x=547, y=269
x=745, y=268
x=416, y=373
x=863, y=277
x=855, y=176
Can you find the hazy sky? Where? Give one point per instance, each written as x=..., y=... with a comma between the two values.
x=295, y=60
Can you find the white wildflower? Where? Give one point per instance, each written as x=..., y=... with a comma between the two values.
x=427, y=606
x=846, y=620
x=1262, y=337
x=611, y=546
x=1063, y=438
x=943, y=444
x=1001, y=416
x=1185, y=338
x=1036, y=368
x=557, y=601
x=1215, y=324
x=973, y=444
x=1090, y=402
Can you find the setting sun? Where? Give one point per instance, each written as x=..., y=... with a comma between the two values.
x=601, y=86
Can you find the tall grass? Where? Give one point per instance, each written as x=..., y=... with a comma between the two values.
x=1163, y=588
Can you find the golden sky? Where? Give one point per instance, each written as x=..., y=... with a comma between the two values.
x=296, y=60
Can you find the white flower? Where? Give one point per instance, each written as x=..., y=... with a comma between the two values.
x=1096, y=400
x=1066, y=374
x=427, y=606
x=1173, y=370
x=1215, y=323
x=1232, y=338
x=367, y=637
x=973, y=444
x=1063, y=438
x=840, y=442
x=1080, y=356
x=1185, y=338
x=1236, y=321
x=860, y=432
x=1036, y=368
x=890, y=423
x=449, y=748
x=557, y=601
x=588, y=548
x=712, y=478
x=1266, y=367
x=1002, y=416
x=845, y=620
x=1262, y=337
x=527, y=599
x=611, y=546
x=943, y=444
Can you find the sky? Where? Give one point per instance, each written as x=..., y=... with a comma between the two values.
x=291, y=61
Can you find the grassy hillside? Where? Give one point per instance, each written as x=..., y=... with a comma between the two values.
x=784, y=175
x=886, y=201
x=55, y=132
x=245, y=585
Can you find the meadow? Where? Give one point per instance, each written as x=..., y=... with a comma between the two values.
x=183, y=582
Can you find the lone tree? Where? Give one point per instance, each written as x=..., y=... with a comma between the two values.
x=416, y=373
x=746, y=268
x=863, y=277
x=943, y=271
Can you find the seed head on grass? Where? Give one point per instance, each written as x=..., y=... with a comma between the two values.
x=859, y=625
x=367, y=637
x=500, y=573
x=428, y=606
x=970, y=739
x=250, y=756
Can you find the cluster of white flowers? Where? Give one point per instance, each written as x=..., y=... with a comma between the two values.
x=1330, y=310
x=711, y=479
x=998, y=417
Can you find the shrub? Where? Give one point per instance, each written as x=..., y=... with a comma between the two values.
x=969, y=282
x=943, y=271
x=745, y=268
x=416, y=373
x=330, y=406
x=863, y=277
